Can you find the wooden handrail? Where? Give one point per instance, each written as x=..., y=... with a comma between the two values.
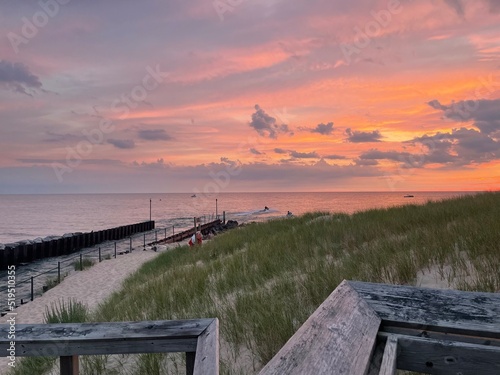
x=366, y=328
x=68, y=341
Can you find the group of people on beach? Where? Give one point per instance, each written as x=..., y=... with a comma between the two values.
x=196, y=239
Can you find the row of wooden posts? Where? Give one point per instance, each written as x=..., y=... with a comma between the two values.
x=25, y=252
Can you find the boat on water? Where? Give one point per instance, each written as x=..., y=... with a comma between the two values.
x=193, y=196
x=408, y=196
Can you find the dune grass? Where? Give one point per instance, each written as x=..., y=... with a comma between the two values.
x=263, y=280
x=83, y=265
x=70, y=311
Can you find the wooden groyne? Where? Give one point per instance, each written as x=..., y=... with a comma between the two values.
x=28, y=251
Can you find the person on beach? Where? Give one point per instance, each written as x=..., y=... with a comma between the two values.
x=196, y=239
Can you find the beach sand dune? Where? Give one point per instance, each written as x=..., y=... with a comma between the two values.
x=90, y=287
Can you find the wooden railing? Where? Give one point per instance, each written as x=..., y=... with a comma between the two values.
x=360, y=329
x=199, y=339
x=365, y=328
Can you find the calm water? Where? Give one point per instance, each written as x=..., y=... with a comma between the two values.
x=30, y=216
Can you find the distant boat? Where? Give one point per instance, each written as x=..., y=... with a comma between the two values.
x=408, y=196
x=193, y=196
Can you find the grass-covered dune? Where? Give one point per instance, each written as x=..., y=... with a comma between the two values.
x=263, y=280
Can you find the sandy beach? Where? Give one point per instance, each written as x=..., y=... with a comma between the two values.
x=91, y=287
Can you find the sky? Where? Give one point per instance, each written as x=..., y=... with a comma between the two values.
x=208, y=96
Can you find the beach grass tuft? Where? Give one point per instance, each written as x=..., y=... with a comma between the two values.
x=70, y=311
x=83, y=265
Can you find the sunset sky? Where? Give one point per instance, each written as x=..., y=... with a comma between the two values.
x=249, y=95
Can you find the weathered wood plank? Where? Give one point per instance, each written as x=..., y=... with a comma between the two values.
x=207, y=351
x=446, y=357
x=69, y=365
x=388, y=366
x=427, y=333
x=440, y=310
x=105, y=338
x=338, y=337
x=104, y=347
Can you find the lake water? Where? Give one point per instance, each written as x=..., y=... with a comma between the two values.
x=26, y=217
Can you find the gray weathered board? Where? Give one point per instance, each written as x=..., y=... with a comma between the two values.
x=427, y=330
x=342, y=326
x=70, y=340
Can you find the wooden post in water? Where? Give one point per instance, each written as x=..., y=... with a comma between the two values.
x=223, y=217
x=130, y=244
x=99, y=254
x=32, y=289
x=81, y=262
x=115, y=249
x=59, y=272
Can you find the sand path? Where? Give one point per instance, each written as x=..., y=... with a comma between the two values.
x=91, y=287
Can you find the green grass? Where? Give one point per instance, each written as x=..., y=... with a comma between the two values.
x=83, y=265
x=263, y=280
x=53, y=281
x=61, y=312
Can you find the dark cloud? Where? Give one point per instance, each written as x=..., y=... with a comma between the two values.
x=154, y=135
x=17, y=77
x=366, y=162
x=122, y=143
x=61, y=137
x=485, y=113
x=457, y=6
x=437, y=105
x=267, y=125
x=456, y=149
x=40, y=161
x=460, y=147
x=256, y=152
x=359, y=137
x=406, y=159
x=494, y=6
x=304, y=155
x=280, y=151
x=334, y=157
x=387, y=155
x=324, y=129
